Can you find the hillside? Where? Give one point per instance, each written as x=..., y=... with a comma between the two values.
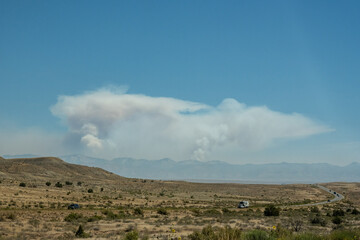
x=46, y=168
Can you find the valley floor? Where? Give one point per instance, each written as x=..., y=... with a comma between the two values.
x=164, y=210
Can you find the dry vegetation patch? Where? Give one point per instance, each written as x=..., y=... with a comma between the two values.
x=119, y=208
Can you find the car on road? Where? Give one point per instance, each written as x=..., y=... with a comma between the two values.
x=243, y=204
x=74, y=206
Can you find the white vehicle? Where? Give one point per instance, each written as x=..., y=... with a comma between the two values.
x=243, y=204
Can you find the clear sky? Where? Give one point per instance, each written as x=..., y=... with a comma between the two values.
x=288, y=69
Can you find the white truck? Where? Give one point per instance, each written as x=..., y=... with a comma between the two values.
x=243, y=204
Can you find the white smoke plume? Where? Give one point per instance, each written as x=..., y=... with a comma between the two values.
x=114, y=123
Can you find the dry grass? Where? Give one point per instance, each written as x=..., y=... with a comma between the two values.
x=119, y=205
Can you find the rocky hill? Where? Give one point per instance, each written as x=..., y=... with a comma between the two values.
x=50, y=168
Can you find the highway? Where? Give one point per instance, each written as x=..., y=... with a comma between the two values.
x=337, y=197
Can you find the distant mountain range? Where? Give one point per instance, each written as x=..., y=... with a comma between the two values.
x=218, y=171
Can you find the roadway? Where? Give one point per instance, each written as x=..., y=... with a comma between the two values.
x=337, y=197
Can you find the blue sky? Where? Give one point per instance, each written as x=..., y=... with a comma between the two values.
x=290, y=56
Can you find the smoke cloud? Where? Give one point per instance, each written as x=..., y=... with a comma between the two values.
x=112, y=123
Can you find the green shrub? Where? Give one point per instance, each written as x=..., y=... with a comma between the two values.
x=206, y=233
x=318, y=220
x=338, y=212
x=11, y=216
x=215, y=233
x=314, y=209
x=138, y=211
x=344, y=235
x=94, y=218
x=90, y=190
x=162, y=211
x=315, y=220
x=73, y=217
x=34, y=222
x=80, y=233
x=308, y=236
x=109, y=214
x=79, y=183
x=48, y=183
x=22, y=184
x=355, y=211
x=68, y=183
x=271, y=210
x=212, y=212
x=229, y=233
x=336, y=220
x=226, y=211
x=196, y=212
x=58, y=185
x=133, y=235
x=256, y=235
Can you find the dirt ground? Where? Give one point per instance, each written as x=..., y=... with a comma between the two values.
x=159, y=209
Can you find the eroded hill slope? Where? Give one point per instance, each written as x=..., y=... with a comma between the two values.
x=44, y=168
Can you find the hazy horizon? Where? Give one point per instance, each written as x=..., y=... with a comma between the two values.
x=10, y=156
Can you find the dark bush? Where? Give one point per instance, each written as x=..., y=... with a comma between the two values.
x=213, y=233
x=11, y=216
x=80, y=233
x=196, y=212
x=162, y=211
x=296, y=224
x=308, y=236
x=212, y=212
x=109, y=214
x=79, y=183
x=58, y=185
x=68, y=183
x=343, y=234
x=338, y=212
x=138, y=211
x=337, y=220
x=206, y=233
x=72, y=217
x=271, y=210
x=318, y=220
x=22, y=184
x=90, y=190
x=94, y=218
x=315, y=220
x=256, y=235
x=134, y=235
x=48, y=183
x=226, y=211
x=355, y=211
x=314, y=209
